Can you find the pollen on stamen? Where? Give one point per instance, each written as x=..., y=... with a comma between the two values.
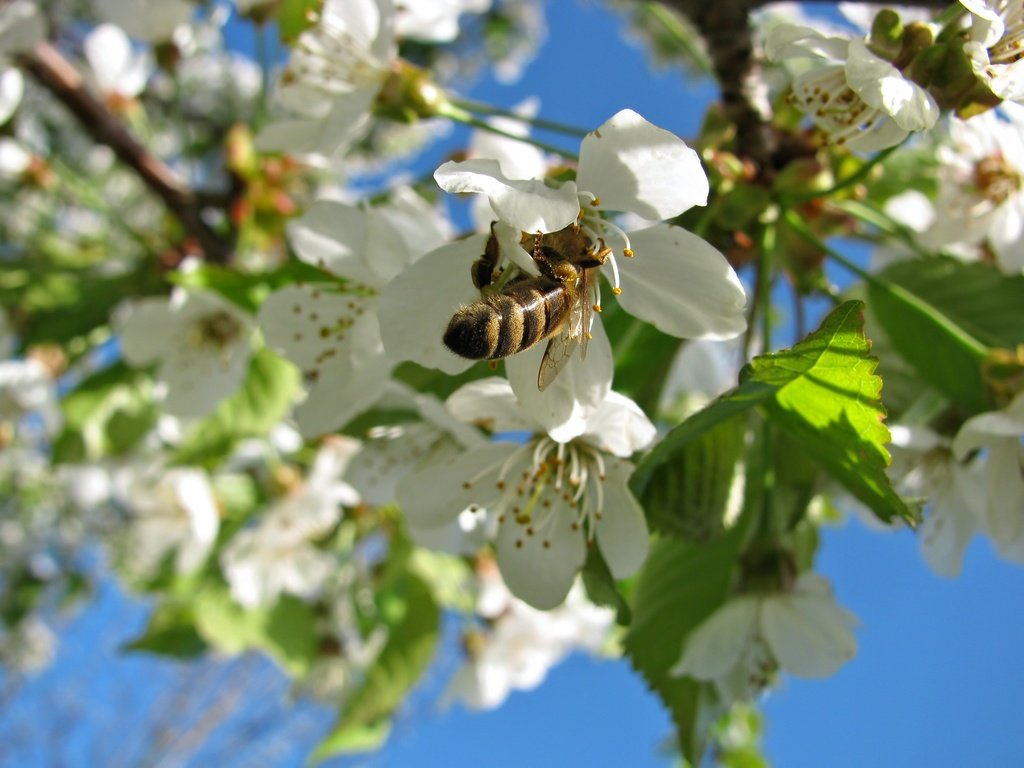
x=575, y=525
x=547, y=544
x=501, y=519
x=597, y=308
x=596, y=202
x=629, y=253
x=616, y=291
x=519, y=544
x=500, y=485
x=467, y=485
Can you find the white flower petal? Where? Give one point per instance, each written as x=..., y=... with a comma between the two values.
x=416, y=306
x=540, y=569
x=683, y=286
x=621, y=530
x=529, y=205
x=147, y=330
x=619, y=427
x=809, y=634
x=12, y=87
x=884, y=87
x=333, y=236
x=951, y=522
x=718, y=644
x=346, y=383
x=490, y=403
x=436, y=495
x=633, y=165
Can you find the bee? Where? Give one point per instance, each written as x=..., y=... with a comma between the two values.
x=518, y=314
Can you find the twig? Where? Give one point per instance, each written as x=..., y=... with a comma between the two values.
x=56, y=74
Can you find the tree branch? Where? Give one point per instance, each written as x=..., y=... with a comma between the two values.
x=56, y=74
x=725, y=27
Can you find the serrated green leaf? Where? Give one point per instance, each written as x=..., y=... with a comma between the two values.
x=261, y=403
x=829, y=399
x=824, y=393
x=680, y=585
x=977, y=298
x=412, y=639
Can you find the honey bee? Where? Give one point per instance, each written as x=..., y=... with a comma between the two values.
x=515, y=315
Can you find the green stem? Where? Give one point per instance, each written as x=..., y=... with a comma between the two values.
x=965, y=340
x=882, y=221
x=454, y=113
x=843, y=183
x=537, y=122
x=764, y=282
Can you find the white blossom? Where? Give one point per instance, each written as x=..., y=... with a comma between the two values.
x=856, y=98
x=996, y=45
x=331, y=331
x=550, y=498
x=998, y=438
x=923, y=465
x=434, y=21
x=120, y=72
x=981, y=189
x=520, y=643
x=742, y=644
x=200, y=342
x=335, y=72
x=279, y=554
x=173, y=511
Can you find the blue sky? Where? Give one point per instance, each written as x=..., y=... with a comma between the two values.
x=936, y=681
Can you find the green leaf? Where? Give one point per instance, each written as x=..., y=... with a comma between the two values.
x=601, y=587
x=680, y=585
x=824, y=393
x=262, y=402
x=412, y=639
x=286, y=631
x=170, y=632
x=107, y=414
x=732, y=404
x=978, y=299
x=247, y=290
x=294, y=17
x=829, y=399
x=689, y=494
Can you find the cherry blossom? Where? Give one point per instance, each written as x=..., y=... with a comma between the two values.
x=856, y=98
x=279, y=554
x=742, y=644
x=550, y=498
x=200, y=343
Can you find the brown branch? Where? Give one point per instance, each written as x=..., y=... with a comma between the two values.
x=725, y=27
x=56, y=74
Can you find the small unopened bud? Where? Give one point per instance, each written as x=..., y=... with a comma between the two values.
x=409, y=95
x=886, y=38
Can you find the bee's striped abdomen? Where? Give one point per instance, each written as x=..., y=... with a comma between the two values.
x=504, y=323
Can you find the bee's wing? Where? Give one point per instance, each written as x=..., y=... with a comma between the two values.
x=556, y=355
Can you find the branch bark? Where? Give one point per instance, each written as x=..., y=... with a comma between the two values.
x=56, y=74
x=725, y=27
